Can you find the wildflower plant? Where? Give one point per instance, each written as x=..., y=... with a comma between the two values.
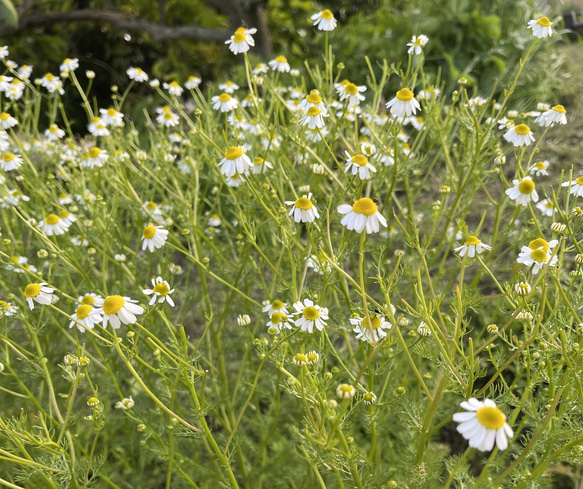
x=318, y=322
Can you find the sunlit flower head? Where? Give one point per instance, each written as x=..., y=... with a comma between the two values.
x=310, y=315
x=112, y=117
x=363, y=214
x=278, y=322
x=120, y=310
x=95, y=158
x=345, y=391
x=54, y=225
x=69, y=64
x=377, y=328
x=538, y=254
x=280, y=64
x=520, y=135
x=260, y=166
x=90, y=299
x=523, y=191
x=555, y=115
x=173, y=88
x=313, y=118
x=576, y=186
x=303, y=210
x=403, y=104
x=359, y=165
x=10, y=161
x=235, y=161
x=160, y=292
x=38, y=292
x=417, y=44
x=324, y=20
x=242, y=40
x=541, y=27
x=137, y=74
x=54, y=133
x=85, y=317
x=224, y=102
x=192, y=82
x=546, y=207
x=539, y=168
x=472, y=246
x=351, y=92
x=275, y=306
x=153, y=237
x=7, y=121
x=313, y=100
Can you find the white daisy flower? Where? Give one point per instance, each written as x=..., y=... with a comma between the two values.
x=192, y=82
x=275, y=306
x=345, y=391
x=314, y=118
x=7, y=121
x=403, y=104
x=555, y=115
x=364, y=332
x=24, y=72
x=303, y=209
x=87, y=315
x=120, y=310
x=167, y=118
x=95, y=157
x=523, y=191
x=14, y=90
x=4, y=52
x=160, y=292
x=324, y=20
x=537, y=254
x=52, y=83
x=38, y=293
x=111, y=117
x=224, y=102
x=352, y=93
x=546, y=207
x=54, y=225
x=576, y=186
x=313, y=100
x=90, y=299
x=280, y=64
x=137, y=74
x=539, y=168
x=363, y=214
x=125, y=404
x=173, y=88
x=359, y=164
x=153, y=237
x=260, y=165
x=260, y=68
x=242, y=40
x=278, y=322
x=428, y=94
x=235, y=180
x=69, y=64
x=67, y=218
x=54, y=133
x=471, y=247
x=484, y=425
x=4, y=82
x=10, y=161
x=423, y=329
x=520, y=135
x=235, y=161
x=417, y=44
x=541, y=27
x=7, y=309
x=97, y=127
x=310, y=315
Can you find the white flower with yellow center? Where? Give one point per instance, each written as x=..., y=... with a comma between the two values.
x=24, y=72
x=54, y=133
x=125, y=404
x=404, y=104
x=224, y=102
x=345, y=391
x=377, y=328
x=235, y=161
x=52, y=83
x=324, y=20
x=520, y=135
x=310, y=315
x=471, y=247
x=85, y=317
x=173, y=88
x=358, y=164
x=10, y=161
x=54, y=225
x=417, y=44
x=192, y=82
x=431, y=92
x=363, y=214
x=69, y=64
x=541, y=27
x=97, y=127
x=120, y=310
x=314, y=118
x=576, y=186
x=153, y=237
x=278, y=322
x=280, y=64
x=242, y=40
x=90, y=299
x=236, y=180
x=160, y=292
x=7, y=309
x=4, y=52
x=260, y=165
x=303, y=209
x=313, y=100
x=484, y=425
x=260, y=68
x=38, y=293
x=215, y=221
x=537, y=254
x=7, y=121
x=352, y=93
x=275, y=306
x=546, y=207
x=111, y=117
x=557, y=115
x=167, y=118
x=228, y=87
x=95, y=157
x=67, y=218
x=137, y=74
x=523, y=191
x=539, y=168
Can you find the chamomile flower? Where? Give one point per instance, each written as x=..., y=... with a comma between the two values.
x=137, y=74
x=87, y=316
x=539, y=168
x=576, y=186
x=352, y=93
x=236, y=180
x=484, y=425
x=111, y=117
x=541, y=27
x=471, y=247
x=324, y=20
x=54, y=133
x=224, y=102
x=153, y=237
x=260, y=165
x=555, y=115
x=173, y=88
x=345, y=391
x=303, y=209
x=38, y=292
x=52, y=83
x=54, y=225
x=523, y=191
x=167, y=118
x=67, y=218
x=537, y=254
x=377, y=328
x=310, y=315
x=95, y=157
x=278, y=322
x=90, y=299
x=4, y=52
x=235, y=161
x=358, y=164
x=120, y=310
x=7, y=309
x=97, y=127
x=10, y=161
x=242, y=40
x=314, y=118
x=14, y=90
x=275, y=306
x=429, y=93
x=24, y=72
x=313, y=100
x=125, y=404
x=546, y=207
x=417, y=44
x=7, y=121
x=363, y=214
x=69, y=64
x=403, y=104
x=280, y=64
x=520, y=135
x=160, y=292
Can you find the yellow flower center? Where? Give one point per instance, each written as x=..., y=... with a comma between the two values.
x=544, y=22
x=174, y=84
x=64, y=214
x=224, y=97
x=88, y=300
x=522, y=129
x=277, y=317
x=50, y=76
x=4, y=116
x=303, y=203
x=579, y=180
x=539, y=255
x=360, y=160
x=472, y=241
x=490, y=417
x=405, y=95
x=526, y=186
x=151, y=206
x=540, y=165
x=538, y=243
x=94, y=152
x=327, y=14
x=281, y=59
x=161, y=289
x=168, y=115
x=364, y=206
x=149, y=232
x=32, y=290
x=311, y=313
x=83, y=311
x=52, y=219
x=301, y=358
x=8, y=157
x=233, y=153
x=277, y=304
x=549, y=205
x=240, y=35
x=313, y=111
x=15, y=259
x=113, y=304
x=314, y=98
x=417, y=42
x=559, y=108
x=258, y=161
x=375, y=322
x=345, y=388
x=351, y=89
x=54, y=128
x=111, y=112
x=66, y=61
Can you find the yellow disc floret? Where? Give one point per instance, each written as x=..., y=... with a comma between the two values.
x=233, y=153
x=83, y=311
x=94, y=152
x=311, y=313
x=161, y=289
x=113, y=304
x=281, y=59
x=32, y=290
x=314, y=98
x=360, y=160
x=149, y=232
x=313, y=111
x=535, y=244
x=522, y=129
x=52, y=219
x=303, y=203
x=405, y=95
x=491, y=417
x=526, y=186
x=327, y=14
x=88, y=300
x=472, y=241
x=364, y=206
x=224, y=97
x=240, y=35
x=544, y=22
x=539, y=255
